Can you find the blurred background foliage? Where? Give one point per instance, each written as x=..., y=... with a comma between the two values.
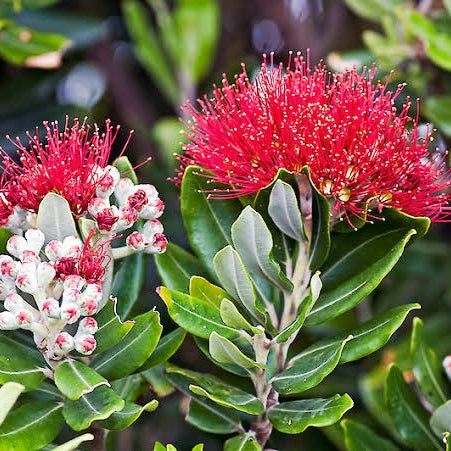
x=137, y=61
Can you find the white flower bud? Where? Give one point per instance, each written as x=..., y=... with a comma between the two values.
x=14, y=302
x=87, y=325
x=108, y=181
x=159, y=244
x=154, y=209
x=151, y=227
x=137, y=241
x=27, y=278
x=70, y=312
x=71, y=295
x=123, y=189
x=45, y=274
x=88, y=306
x=16, y=245
x=35, y=240
x=8, y=321
x=447, y=366
x=51, y=308
x=29, y=256
x=54, y=250
x=72, y=246
x=85, y=344
x=96, y=205
x=94, y=291
x=8, y=267
x=64, y=343
x=74, y=281
x=24, y=318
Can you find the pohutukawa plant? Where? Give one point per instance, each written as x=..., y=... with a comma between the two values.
x=279, y=161
x=62, y=208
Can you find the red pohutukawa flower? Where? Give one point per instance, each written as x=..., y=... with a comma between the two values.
x=343, y=127
x=68, y=164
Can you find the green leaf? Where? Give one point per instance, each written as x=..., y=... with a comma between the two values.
x=284, y=210
x=359, y=437
x=196, y=316
x=24, y=46
x=373, y=9
x=125, y=168
x=438, y=50
x=130, y=353
x=441, y=419
x=176, y=267
x=253, y=241
x=45, y=392
x=127, y=416
x=166, y=133
x=204, y=414
x=224, y=351
x=31, y=426
x=159, y=383
x=74, y=443
x=294, y=417
x=208, y=222
x=74, y=379
x=165, y=349
x=309, y=368
x=233, y=318
x=373, y=334
x=131, y=387
x=8, y=396
x=359, y=261
x=437, y=108
x=201, y=288
x=149, y=50
x=5, y=235
x=243, y=442
x=96, y=405
x=409, y=417
x=111, y=329
x=128, y=281
x=427, y=368
x=235, y=279
x=55, y=218
x=219, y=392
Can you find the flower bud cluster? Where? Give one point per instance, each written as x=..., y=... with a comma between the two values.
x=46, y=296
x=133, y=202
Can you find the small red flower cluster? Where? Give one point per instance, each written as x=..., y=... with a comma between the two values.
x=343, y=127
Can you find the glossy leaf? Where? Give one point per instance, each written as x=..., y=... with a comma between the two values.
x=208, y=222
x=359, y=261
x=159, y=383
x=131, y=387
x=31, y=426
x=427, y=368
x=243, y=442
x=125, y=168
x=294, y=417
x=218, y=391
x=196, y=316
x=201, y=288
x=408, y=415
x=74, y=443
x=224, y=351
x=75, y=379
x=128, y=281
x=130, y=353
x=233, y=318
x=9, y=393
x=235, y=279
x=441, y=419
x=359, y=437
x=111, y=329
x=373, y=334
x=96, y=405
x=437, y=108
x=166, y=348
x=253, y=241
x=127, y=416
x=176, y=267
x=309, y=368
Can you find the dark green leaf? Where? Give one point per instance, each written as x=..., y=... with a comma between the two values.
x=208, y=222
x=243, y=442
x=409, y=417
x=159, y=383
x=176, y=267
x=441, y=419
x=130, y=353
x=437, y=108
x=294, y=417
x=128, y=281
x=130, y=388
x=125, y=168
x=359, y=437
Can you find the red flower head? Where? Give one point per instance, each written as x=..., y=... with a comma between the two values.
x=67, y=164
x=343, y=127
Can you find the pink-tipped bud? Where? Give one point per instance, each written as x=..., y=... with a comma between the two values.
x=72, y=246
x=108, y=181
x=64, y=343
x=128, y=217
x=151, y=227
x=87, y=325
x=45, y=274
x=27, y=278
x=16, y=245
x=96, y=205
x=123, y=189
x=35, y=240
x=85, y=344
x=88, y=306
x=51, y=308
x=8, y=267
x=70, y=313
x=24, y=319
x=8, y=321
x=74, y=281
x=137, y=241
x=447, y=366
x=71, y=295
x=14, y=302
x=54, y=250
x=29, y=256
x=159, y=244
x=153, y=210
x=94, y=291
